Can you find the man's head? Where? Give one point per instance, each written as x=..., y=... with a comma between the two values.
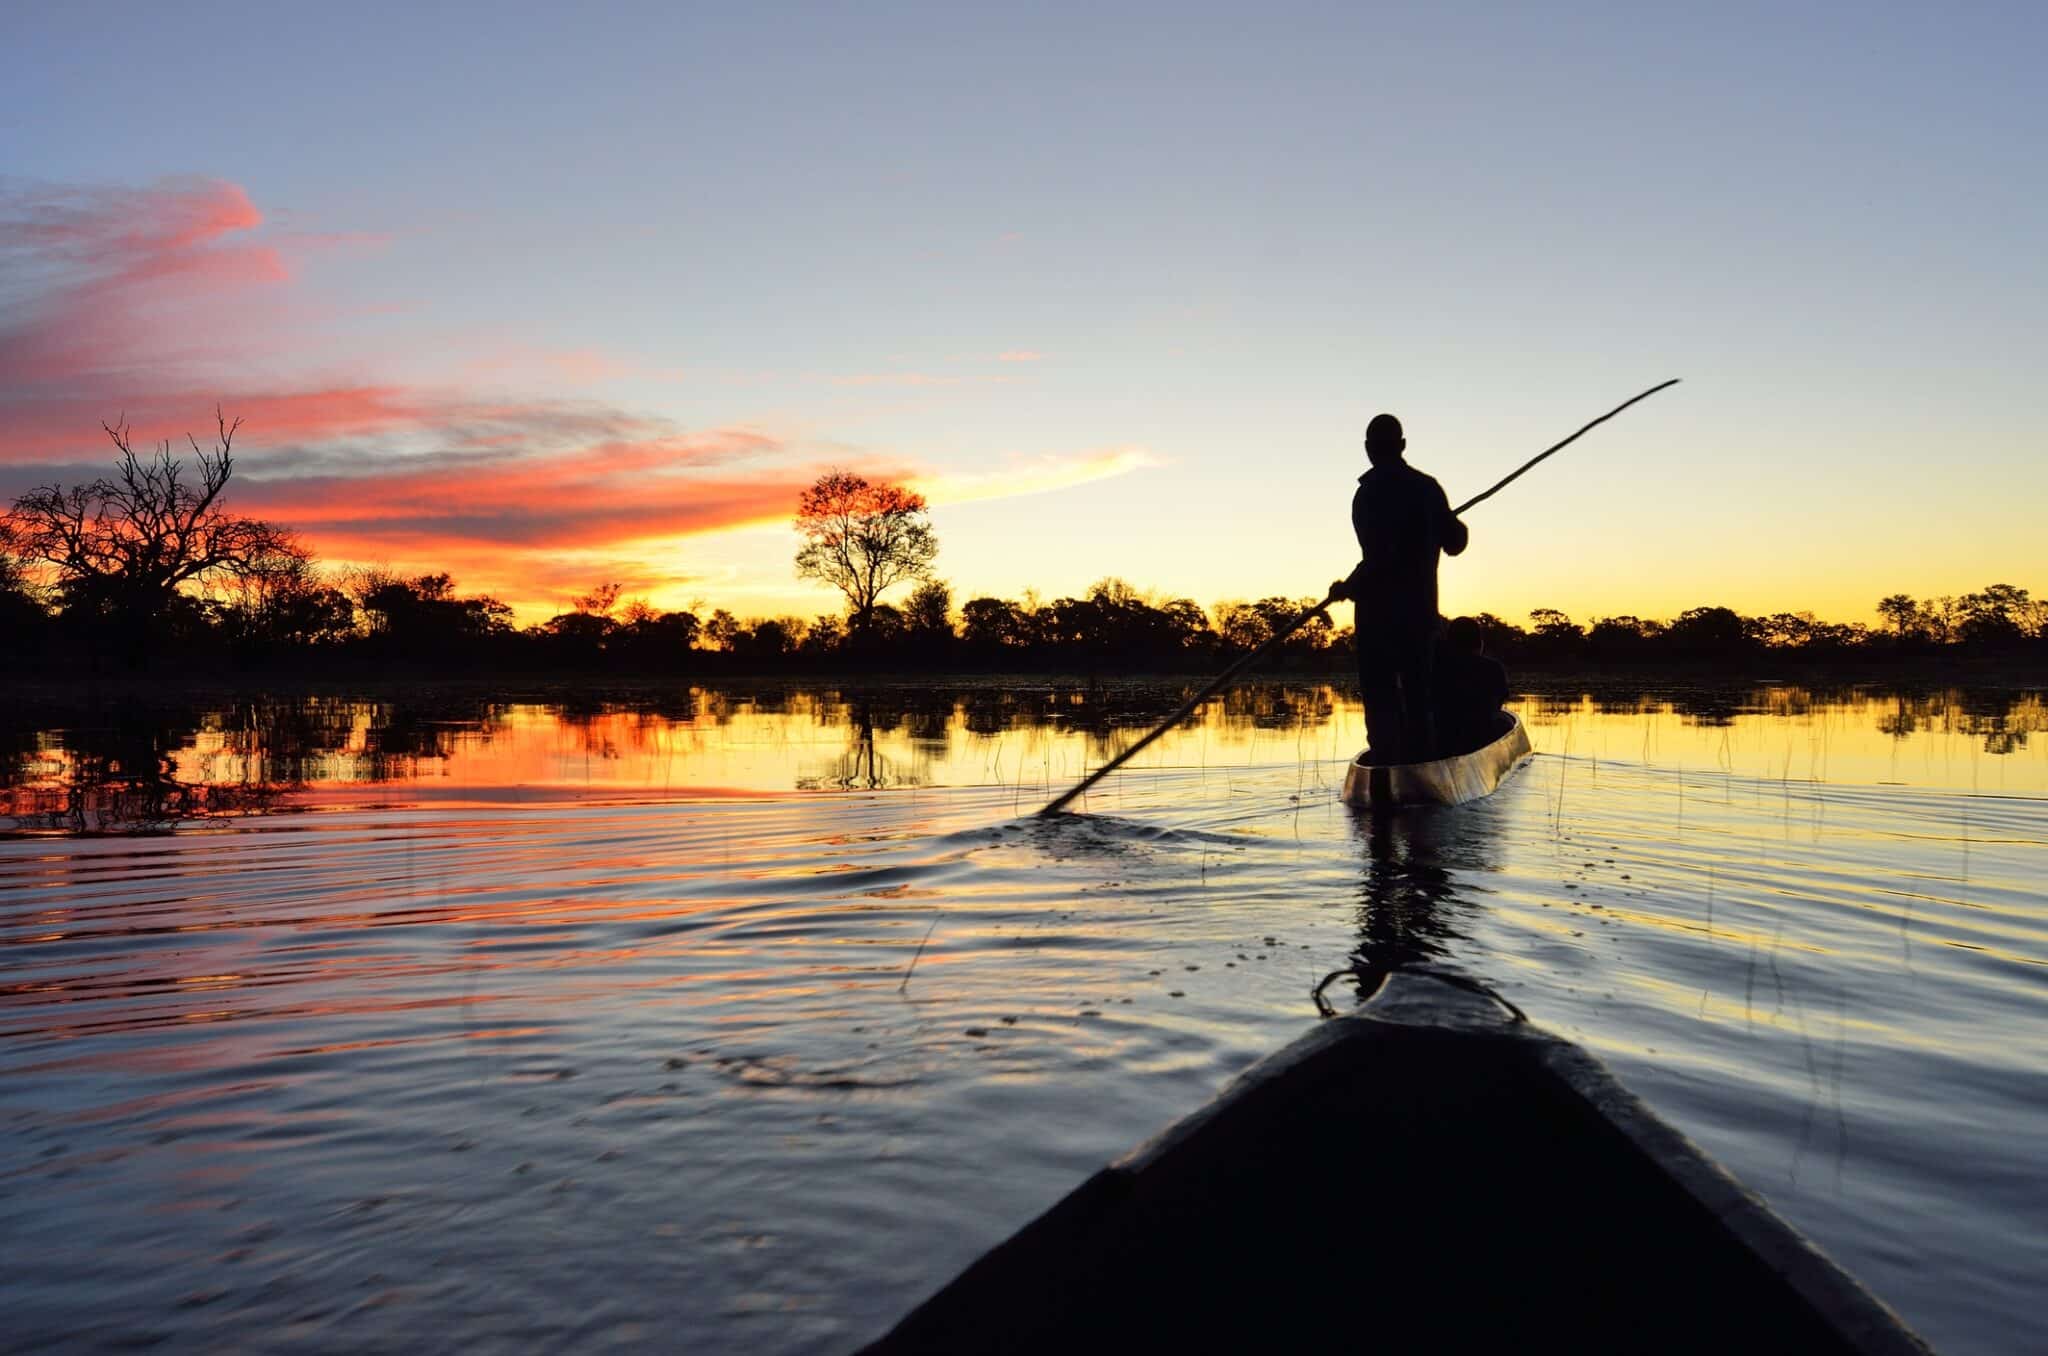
x=1383, y=440
x=1463, y=636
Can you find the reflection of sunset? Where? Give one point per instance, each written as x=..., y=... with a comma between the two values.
x=695, y=743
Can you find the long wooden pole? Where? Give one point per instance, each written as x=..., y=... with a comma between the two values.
x=1516, y=474
x=1216, y=684
x=1180, y=712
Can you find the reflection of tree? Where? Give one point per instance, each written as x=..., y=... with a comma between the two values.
x=121, y=774
x=863, y=767
x=138, y=767
x=2002, y=720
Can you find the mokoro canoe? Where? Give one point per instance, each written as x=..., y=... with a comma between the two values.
x=1424, y=1175
x=1443, y=781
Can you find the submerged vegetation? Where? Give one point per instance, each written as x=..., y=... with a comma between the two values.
x=147, y=569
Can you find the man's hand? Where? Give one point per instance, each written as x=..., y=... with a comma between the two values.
x=1340, y=590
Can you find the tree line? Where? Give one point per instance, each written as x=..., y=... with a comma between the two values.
x=148, y=568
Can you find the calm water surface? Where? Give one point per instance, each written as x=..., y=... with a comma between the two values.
x=742, y=1019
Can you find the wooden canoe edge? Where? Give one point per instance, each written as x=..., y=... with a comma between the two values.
x=1089, y=1227
x=1440, y=781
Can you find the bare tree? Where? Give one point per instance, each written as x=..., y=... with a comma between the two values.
x=863, y=539
x=123, y=548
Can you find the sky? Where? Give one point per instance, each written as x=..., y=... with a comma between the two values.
x=546, y=296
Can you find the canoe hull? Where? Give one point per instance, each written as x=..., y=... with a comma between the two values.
x=1444, y=781
x=1424, y=1176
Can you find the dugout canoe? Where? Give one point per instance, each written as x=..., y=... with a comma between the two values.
x=1442, y=781
x=1427, y=1174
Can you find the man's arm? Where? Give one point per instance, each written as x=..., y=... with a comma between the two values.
x=1451, y=528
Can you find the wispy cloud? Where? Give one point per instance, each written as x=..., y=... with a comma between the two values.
x=1035, y=475
x=1020, y=355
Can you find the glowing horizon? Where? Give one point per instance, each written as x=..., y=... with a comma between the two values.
x=1133, y=333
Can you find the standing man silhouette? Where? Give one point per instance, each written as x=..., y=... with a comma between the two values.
x=1403, y=521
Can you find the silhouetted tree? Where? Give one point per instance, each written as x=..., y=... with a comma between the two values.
x=827, y=633
x=1901, y=613
x=770, y=638
x=121, y=549
x=1242, y=626
x=930, y=609
x=1718, y=632
x=23, y=618
x=599, y=602
x=1940, y=618
x=1185, y=622
x=1552, y=634
x=863, y=539
x=1784, y=630
x=282, y=602
x=1500, y=637
x=658, y=640
x=719, y=632
x=885, y=626
x=583, y=633
x=421, y=616
x=1623, y=637
x=996, y=625
x=1997, y=616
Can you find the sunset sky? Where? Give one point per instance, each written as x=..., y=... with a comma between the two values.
x=590, y=292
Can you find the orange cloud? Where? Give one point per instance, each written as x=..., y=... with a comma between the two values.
x=609, y=493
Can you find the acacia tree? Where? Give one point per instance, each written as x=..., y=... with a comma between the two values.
x=120, y=550
x=863, y=538
x=1900, y=613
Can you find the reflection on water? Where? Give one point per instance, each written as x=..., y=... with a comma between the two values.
x=125, y=768
x=1409, y=899
x=738, y=1019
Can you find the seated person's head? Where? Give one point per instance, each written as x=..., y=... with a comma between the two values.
x=1463, y=636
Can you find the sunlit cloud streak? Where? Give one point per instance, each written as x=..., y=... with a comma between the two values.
x=1033, y=476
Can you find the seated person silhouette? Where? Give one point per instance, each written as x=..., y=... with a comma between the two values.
x=1470, y=688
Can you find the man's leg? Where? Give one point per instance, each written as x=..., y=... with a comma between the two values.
x=1418, y=726
x=1379, y=688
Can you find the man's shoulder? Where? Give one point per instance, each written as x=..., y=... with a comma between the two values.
x=1399, y=478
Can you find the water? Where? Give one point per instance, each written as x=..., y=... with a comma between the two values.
x=743, y=1019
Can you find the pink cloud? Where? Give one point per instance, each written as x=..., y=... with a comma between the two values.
x=122, y=278
x=1020, y=355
